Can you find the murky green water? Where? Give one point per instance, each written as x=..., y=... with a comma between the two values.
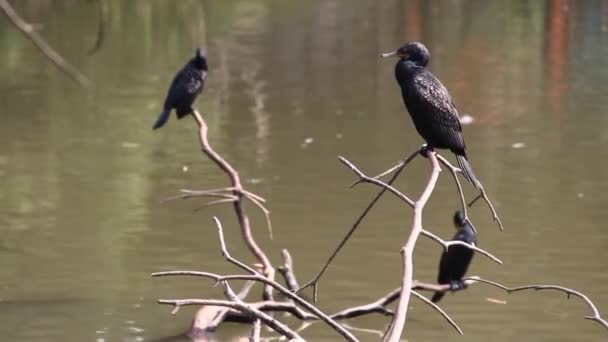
x=293, y=85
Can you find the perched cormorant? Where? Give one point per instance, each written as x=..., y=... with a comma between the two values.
x=430, y=105
x=455, y=261
x=186, y=86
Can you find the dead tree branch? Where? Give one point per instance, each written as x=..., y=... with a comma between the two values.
x=287, y=271
x=482, y=193
x=365, y=179
x=569, y=292
x=315, y=281
x=396, y=328
x=235, y=303
x=208, y=318
x=378, y=306
x=256, y=331
x=440, y=310
x=256, y=276
x=42, y=45
x=238, y=204
x=447, y=244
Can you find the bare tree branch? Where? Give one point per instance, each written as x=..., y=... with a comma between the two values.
x=224, y=249
x=256, y=331
x=42, y=45
x=315, y=281
x=379, y=176
x=482, y=193
x=569, y=292
x=238, y=205
x=365, y=179
x=240, y=306
x=208, y=318
x=396, y=328
x=256, y=276
x=447, y=244
x=453, y=171
x=379, y=306
x=440, y=310
x=287, y=271
x=228, y=194
x=212, y=203
x=256, y=200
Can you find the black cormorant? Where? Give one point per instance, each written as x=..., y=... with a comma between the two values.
x=186, y=86
x=430, y=105
x=455, y=261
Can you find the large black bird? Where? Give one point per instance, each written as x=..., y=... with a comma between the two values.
x=456, y=260
x=430, y=105
x=186, y=86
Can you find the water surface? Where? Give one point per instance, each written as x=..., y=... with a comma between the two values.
x=292, y=86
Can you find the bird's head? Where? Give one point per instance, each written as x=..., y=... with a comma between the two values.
x=459, y=219
x=200, y=60
x=412, y=51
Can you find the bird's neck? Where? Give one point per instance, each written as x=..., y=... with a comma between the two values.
x=405, y=70
x=198, y=63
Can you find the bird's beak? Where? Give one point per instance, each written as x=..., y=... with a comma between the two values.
x=389, y=54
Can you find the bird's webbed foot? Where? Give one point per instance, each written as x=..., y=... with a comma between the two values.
x=425, y=149
x=456, y=285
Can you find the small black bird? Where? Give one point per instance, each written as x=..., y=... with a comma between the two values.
x=455, y=261
x=430, y=105
x=186, y=86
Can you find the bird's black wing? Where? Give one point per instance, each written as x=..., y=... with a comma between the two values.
x=189, y=81
x=443, y=125
x=186, y=86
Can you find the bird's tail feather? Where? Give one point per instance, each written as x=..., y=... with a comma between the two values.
x=162, y=119
x=467, y=171
x=437, y=296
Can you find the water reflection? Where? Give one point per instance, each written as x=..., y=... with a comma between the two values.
x=82, y=174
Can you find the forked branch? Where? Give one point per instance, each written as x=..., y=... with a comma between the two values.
x=482, y=193
x=238, y=192
x=396, y=328
x=315, y=281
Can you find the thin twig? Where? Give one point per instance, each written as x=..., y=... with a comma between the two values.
x=43, y=46
x=379, y=176
x=258, y=203
x=440, y=310
x=209, y=193
x=315, y=281
x=447, y=244
x=224, y=249
x=418, y=285
x=379, y=306
x=453, y=171
x=212, y=203
x=482, y=194
x=569, y=292
x=365, y=179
